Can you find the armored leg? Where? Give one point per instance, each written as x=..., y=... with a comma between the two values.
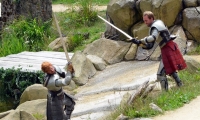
x=163, y=82
x=177, y=79
x=69, y=107
x=161, y=76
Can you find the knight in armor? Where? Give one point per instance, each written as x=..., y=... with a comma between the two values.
x=59, y=104
x=171, y=57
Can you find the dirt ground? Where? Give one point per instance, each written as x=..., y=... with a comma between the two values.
x=62, y=8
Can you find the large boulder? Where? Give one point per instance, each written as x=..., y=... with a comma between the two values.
x=109, y=50
x=191, y=46
x=57, y=44
x=98, y=62
x=181, y=39
x=191, y=23
x=192, y=64
x=123, y=14
x=33, y=92
x=19, y=115
x=34, y=107
x=190, y=3
x=140, y=30
x=84, y=69
x=3, y=114
x=166, y=10
x=130, y=55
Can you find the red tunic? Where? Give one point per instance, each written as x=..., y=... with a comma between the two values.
x=172, y=58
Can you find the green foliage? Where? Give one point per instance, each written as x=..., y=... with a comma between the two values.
x=6, y=105
x=32, y=32
x=39, y=116
x=11, y=45
x=21, y=35
x=77, y=23
x=74, y=41
x=86, y=16
x=14, y=81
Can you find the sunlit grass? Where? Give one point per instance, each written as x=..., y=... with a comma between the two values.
x=171, y=100
x=39, y=116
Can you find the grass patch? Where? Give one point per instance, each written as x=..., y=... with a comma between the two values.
x=196, y=51
x=75, y=27
x=171, y=100
x=5, y=105
x=39, y=116
x=98, y=2
x=25, y=35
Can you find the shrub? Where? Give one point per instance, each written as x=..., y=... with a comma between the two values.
x=14, y=81
x=24, y=34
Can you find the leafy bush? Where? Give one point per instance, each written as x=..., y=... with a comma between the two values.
x=84, y=17
x=32, y=32
x=11, y=44
x=24, y=34
x=14, y=81
x=74, y=41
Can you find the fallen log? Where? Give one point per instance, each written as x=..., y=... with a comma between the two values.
x=138, y=92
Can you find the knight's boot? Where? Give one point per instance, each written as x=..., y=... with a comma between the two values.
x=177, y=79
x=68, y=113
x=163, y=82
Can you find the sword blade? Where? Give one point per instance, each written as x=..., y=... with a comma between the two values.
x=128, y=36
x=61, y=38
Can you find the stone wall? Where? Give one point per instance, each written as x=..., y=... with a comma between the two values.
x=11, y=9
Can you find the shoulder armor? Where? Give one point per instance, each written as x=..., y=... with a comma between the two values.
x=59, y=71
x=159, y=25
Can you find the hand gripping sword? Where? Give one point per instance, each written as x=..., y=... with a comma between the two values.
x=134, y=40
